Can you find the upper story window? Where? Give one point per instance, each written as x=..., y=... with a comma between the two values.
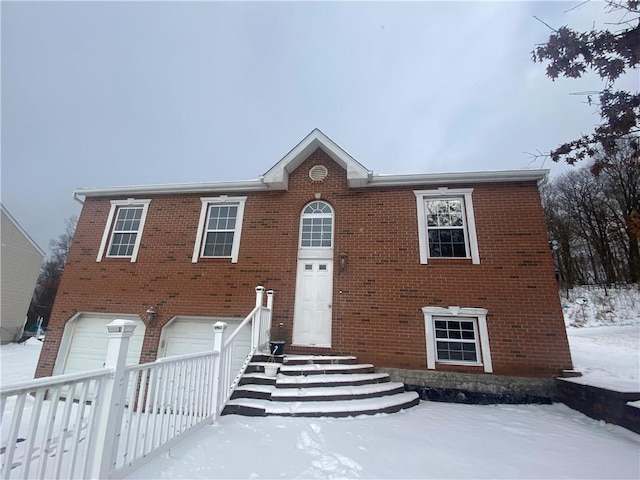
x=446, y=224
x=317, y=226
x=123, y=231
x=219, y=228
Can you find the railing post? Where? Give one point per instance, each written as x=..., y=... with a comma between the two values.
x=259, y=295
x=255, y=323
x=111, y=404
x=270, y=299
x=267, y=328
x=218, y=333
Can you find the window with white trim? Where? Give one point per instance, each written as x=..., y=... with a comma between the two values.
x=446, y=224
x=219, y=228
x=317, y=226
x=123, y=231
x=457, y=336
x=456, y=339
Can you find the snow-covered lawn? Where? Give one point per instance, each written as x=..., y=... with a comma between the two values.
x=432, y=440
x=604, y=335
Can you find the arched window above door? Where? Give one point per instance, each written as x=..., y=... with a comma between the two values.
x=317, y=225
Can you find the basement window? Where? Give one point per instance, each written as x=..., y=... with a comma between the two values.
x=457, y=336
x=123, y=231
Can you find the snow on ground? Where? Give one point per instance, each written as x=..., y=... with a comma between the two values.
x=18, y=361
x=604, y=335
x=432, y=440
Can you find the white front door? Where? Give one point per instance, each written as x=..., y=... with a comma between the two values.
x=314, y=293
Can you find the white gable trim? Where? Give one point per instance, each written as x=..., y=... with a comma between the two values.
x=277, y=177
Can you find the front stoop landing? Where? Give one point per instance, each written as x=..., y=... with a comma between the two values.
x=317, y=386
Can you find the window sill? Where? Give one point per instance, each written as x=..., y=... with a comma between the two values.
x=462, y=364
x=449, y=261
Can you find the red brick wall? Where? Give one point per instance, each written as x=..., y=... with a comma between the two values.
x=377, y=301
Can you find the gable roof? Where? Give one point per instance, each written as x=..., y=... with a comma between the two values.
x=15, y=223
x=277, y=177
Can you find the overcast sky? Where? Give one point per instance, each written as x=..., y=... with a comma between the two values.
x=113, y=94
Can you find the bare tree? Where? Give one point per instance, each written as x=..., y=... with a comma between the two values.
x=609, y=53
x=620, y=172
x=50, y=273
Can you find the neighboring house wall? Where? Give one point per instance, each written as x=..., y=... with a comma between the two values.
x=377, y=300
x=20, y=265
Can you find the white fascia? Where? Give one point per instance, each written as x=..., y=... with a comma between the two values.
x=539, y=176
x=133, y=202
x=430, y=338
x=241, y=186
x=206, y=201
x=470, y=223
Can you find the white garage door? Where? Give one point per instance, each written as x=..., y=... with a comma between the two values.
x=88, y=343
x=192, y=335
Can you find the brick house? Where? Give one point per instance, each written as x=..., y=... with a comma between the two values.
x=440, y=279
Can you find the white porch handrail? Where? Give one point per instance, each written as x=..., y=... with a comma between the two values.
x=107, y=422
x=51, y=425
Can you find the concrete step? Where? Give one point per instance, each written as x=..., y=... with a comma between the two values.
x=318, y=359
x=326, y=368
x=343, y=408
x=316, y=386
x=330, y=380
x=329, y=394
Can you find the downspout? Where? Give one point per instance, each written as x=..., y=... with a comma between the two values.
x=75, y=197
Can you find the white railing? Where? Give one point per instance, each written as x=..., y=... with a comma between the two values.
x=259, y=324
x=51, y=425
x=108, y=422
x=164, y=400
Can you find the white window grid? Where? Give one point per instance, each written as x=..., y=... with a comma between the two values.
x=124, y=228
x=454, y=313
x=219, y=228
x=316, y=227
x=468, y=219
x=454, y=338
x=125, y=231
x=445, y=219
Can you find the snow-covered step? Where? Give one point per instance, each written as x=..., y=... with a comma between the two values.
x=348, y=392
x=302, y=359
x=257, y=378
x=337, y=379
x=325, y=368
x=343, y=408
x=254, y=390
x=333, y=394
x=314, y=386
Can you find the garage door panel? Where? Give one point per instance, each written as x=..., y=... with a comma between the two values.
x=89, y=341
x=184, y=336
